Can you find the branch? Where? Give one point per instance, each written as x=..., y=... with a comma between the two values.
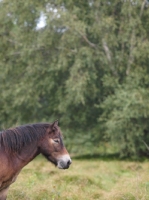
x=131, y=57
x=13, y=42
x=108, y=54
x=107, y=51
x=142, y=7
x=87, y=40
x=146, y=145
x=63, y=48
x=21, y=52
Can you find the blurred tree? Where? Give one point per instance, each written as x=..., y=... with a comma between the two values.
x=88, y=66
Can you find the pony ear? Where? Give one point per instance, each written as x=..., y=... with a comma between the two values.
x=54, y=124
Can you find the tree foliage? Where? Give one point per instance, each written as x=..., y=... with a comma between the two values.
x=88, y=67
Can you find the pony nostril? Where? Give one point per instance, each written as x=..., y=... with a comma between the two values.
x=69, y=162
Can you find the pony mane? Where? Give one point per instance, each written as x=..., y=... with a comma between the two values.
x=14, y=139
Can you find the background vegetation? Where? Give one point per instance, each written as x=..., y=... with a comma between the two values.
x=88, y=66
x=92, y=179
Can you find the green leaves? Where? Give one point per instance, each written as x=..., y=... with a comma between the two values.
x=87, y=67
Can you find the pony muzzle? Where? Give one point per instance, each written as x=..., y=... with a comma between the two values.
x=64, y=162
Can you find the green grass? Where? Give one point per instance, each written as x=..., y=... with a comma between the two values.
x=87, y=179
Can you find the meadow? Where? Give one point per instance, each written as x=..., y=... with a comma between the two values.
x=86, y=179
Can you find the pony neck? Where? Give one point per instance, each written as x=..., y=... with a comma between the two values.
x=27, y=154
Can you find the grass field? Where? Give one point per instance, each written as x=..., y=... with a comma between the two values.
x=87, y=179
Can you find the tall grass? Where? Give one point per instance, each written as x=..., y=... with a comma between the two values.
x=85, y=180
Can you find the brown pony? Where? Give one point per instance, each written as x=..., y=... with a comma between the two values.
x=20, y=145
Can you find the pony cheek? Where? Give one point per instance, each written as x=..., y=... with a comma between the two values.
x=49, y=153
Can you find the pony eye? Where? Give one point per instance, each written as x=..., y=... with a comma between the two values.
x=56, y=141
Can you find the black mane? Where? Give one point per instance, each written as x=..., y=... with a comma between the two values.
x=14, y=139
